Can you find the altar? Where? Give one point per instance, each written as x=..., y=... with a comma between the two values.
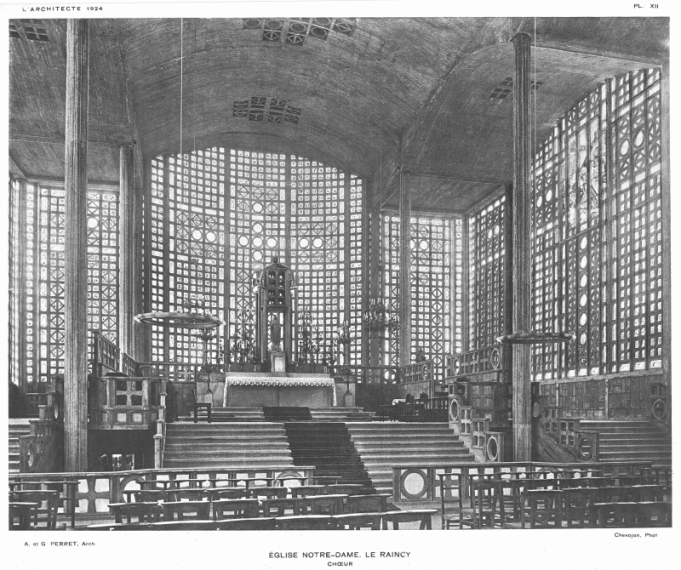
x=247, y=390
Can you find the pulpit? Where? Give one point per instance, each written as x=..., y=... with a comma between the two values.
x=275, y=313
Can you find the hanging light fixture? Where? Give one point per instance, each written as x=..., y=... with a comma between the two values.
x=379, y=318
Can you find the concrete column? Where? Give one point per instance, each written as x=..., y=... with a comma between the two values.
x=128, y=275
x=522, y=263
x=75, y=184
x=405, y=269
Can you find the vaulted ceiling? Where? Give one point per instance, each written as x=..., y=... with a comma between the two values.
x=360, y=94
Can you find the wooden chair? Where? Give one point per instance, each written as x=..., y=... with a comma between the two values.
x=235, y=509
x=322, y=505
x=544, y=506
x=486, y=511
x=358, y=521
x=366, y=503
x=654, y=514
x=186, y=510
x=135, y=512
x=280, y=507
x=511, y=499
x=201, y=405
x=577, y=504
x=451, y=497
x=260, y=523
x=422, y=516
x=305, y=522
x=21, y=514
x=44, y=517
x=616, y=514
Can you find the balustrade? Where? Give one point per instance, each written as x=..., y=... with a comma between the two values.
x=419, y=483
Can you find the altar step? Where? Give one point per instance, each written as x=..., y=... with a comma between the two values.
x=257, y=445
x=219, y=415
x=350, y=414
x=328, y=447
x=286, y=414
x=17, y=428
x=631, y=441
x=283, y=414
x=383, y=445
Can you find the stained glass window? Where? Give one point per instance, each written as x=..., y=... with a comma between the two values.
x=259, y=206
x=486, y=270
x=41, y=239
x=598, y=233
x=436, y=248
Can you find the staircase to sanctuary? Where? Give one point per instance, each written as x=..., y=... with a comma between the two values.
x=328, y=447
x=228, y=445
x=17, y=428
x=631, y=441
x=381, y=445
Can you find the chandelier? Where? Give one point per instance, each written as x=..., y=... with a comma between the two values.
x=378, y=318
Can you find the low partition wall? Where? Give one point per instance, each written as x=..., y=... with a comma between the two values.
x=421, y=484
x=625, y=396
x=96, y=490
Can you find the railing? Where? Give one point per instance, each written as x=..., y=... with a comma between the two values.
x=567, y=433
x=160, y=436
x=106, y=355
x=420, y=376
x=419, y=484
x=480, y=361
x=97, y=489
x=129, y=366
x=368, y=374
x=173, y=371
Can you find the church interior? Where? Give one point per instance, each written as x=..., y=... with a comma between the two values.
x=339, y=273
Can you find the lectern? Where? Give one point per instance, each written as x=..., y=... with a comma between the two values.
x=275, y=314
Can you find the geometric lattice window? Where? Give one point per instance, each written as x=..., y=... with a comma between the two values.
x=32, y=30
x=598, y=233
x=187, y=245
x=486, y=270
x=436, y=287
x=235, y=210
x=295, y=31
x=266, y=109
x=257, y=230
x=42, y=243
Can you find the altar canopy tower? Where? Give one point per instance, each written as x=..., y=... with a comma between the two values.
x=275, y=310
